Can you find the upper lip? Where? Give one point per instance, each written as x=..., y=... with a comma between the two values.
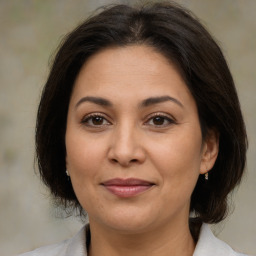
x=127, y=182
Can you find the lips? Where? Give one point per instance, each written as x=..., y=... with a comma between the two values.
x=127, y=187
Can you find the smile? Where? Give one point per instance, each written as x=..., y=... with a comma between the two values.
x=127, y=187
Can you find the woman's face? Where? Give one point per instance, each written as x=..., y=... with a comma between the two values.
x=133, y=141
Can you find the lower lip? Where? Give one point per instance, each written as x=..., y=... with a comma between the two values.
x=127, y=191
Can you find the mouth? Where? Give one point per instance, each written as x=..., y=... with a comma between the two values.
x=127, y=187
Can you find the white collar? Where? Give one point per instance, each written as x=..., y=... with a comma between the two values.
x=77, y=244
x=207, y=245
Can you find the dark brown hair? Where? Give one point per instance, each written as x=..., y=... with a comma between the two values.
x=174, y=32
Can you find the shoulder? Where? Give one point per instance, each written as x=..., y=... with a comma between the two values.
x=76, y=246
x=209, y=245
x=49, y=250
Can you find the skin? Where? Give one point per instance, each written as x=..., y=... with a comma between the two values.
x=160, y=142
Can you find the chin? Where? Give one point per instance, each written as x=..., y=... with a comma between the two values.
x=129, y=222
x=131, y=227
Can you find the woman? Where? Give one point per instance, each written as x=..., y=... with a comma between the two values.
x=139, y=126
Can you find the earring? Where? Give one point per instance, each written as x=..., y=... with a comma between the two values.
x=206, y=176
x=67, y=173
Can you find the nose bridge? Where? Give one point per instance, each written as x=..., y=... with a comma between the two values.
x=126, y=146
x=124, y=138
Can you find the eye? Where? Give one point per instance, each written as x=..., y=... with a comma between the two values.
x=95, y=120
x=160, y=120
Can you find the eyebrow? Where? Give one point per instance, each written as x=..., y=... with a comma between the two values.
x=96, y=100
x=145, y=103
x=155, y=100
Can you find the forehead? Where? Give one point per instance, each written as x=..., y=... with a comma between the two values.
x=133, y=58
x=130, y=70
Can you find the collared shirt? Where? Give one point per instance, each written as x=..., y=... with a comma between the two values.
x=207, y=245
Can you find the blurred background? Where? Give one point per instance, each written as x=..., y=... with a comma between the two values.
x=30, y=31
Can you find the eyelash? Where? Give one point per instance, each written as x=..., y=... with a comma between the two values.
x=89, y=118
x=164, y=118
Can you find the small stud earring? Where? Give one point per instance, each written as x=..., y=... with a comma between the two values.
x=206, y=176
x=67, y=173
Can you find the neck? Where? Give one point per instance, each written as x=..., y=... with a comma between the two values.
x=175, y=240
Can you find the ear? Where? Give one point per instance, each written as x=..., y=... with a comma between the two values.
x=210, y=150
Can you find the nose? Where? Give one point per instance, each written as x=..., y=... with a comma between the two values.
x=126, y=147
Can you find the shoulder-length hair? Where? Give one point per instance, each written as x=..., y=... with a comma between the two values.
x=174, y=32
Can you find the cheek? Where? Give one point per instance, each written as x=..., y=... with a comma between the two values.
x=84, y=161
x=83, y=155
x=178, y=159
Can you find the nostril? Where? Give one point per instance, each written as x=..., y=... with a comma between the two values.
x=113, y=160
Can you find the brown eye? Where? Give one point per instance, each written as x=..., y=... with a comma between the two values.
x=159, y=120
x=97, y=120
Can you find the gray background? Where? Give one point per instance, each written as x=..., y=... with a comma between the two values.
x=29, y=33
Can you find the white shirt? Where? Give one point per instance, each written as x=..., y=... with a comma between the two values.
x=207, y=245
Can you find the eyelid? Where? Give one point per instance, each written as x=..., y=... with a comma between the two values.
x=169, y=117
x=163, y=114
x=147, y=119
x=95, y=114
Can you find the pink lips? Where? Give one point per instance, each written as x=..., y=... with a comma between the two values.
x=127, y=187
